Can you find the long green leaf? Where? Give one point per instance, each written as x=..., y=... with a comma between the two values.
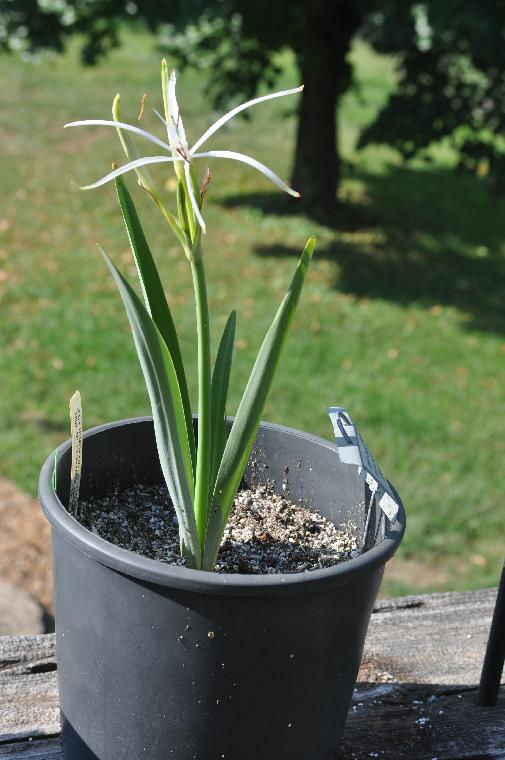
x=155, y=300
x=245, y=426
x=220, y=385
x=202, y=493
x=168, y=413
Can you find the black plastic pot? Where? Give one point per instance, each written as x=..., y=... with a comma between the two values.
x=157, y=661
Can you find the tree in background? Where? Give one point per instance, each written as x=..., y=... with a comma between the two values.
x=450, y=56
x=452, y=80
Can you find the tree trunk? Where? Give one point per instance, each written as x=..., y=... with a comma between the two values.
x=329, y=28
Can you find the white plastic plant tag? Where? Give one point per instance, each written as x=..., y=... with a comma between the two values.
x=371, y=482
x=76, y=466
x=345, y=436
x=388, y=506
x=353, y=450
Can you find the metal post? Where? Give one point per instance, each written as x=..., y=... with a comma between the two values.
x=492, y=669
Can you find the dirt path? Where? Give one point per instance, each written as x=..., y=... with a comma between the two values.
x=25, y=544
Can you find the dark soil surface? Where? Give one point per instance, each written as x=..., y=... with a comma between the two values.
x=266, y=533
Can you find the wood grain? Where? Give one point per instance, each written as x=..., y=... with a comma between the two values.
x=436, y=638
x=414, y=699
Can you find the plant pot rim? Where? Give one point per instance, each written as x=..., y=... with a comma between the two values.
x=157, y=572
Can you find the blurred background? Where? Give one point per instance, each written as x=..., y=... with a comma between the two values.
x=397, y=147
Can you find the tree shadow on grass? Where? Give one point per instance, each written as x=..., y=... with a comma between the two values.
x=430, y=237
x=348, y=216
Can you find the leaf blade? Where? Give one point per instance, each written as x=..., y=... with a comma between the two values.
x=155, y=299
x=168, y=413
x=244, y=428
x=220, y=385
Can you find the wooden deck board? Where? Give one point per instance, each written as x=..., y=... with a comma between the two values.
x=414, y=699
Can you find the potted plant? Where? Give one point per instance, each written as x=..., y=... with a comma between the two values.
x=160, y=660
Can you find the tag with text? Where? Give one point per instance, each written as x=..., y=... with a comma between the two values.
x=76, y=466
x=353, y=450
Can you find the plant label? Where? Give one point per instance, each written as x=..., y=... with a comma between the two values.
x=76, y=466
x=353, y=450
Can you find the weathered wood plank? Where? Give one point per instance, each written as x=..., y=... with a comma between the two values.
x=414, y=702
x=410, y=722
x=389, y=722
x=433, y=638
x=37, y=749
x=28, y=687
x=26, y=654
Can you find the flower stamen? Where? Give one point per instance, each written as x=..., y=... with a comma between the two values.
x=180, y=150
x=204, y=184
x=142, y=106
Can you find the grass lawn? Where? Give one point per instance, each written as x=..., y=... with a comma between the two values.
x=402, y=319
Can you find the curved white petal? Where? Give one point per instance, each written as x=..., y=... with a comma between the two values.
x=122, y=125
x=175, y=114
x=251, y=162
x=227, y=116
x=192, y=198
x=128, y=167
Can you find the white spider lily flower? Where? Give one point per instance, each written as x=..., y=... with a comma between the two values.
x=177, y=147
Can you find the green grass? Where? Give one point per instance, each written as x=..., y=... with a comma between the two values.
x=402, y=319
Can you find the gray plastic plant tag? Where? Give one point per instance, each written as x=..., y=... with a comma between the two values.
x=353, y=450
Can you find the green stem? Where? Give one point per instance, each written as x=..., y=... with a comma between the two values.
x=204, y=398
x=193, y=224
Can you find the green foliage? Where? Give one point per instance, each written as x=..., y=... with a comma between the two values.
x=172, y=437
x=221, y=40
x=200, y=533
x=450, y=54
x=245, y=426
x=202, y=486
x=155, y=300
x=451, y=84
x=220, y=386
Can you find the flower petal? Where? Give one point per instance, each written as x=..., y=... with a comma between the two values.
x=251, y=162
x=128, y=167
x=122, y=125
x=192, y=198
x=227, y=116
x=175, y=114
